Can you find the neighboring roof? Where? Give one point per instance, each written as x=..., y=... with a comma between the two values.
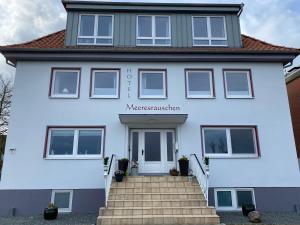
x=56, y=41
x=52, y=47
x=292, y=74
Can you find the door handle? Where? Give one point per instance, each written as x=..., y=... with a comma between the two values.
x=142, y=151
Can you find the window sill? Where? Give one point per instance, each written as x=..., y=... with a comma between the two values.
x=104, y=97
x=152, y=97
x=198, y=97
x=239, y=97
x=63, y=97
x=75, y=158
x=233, y=157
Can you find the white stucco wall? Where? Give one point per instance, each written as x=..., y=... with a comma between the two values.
x=33, y=110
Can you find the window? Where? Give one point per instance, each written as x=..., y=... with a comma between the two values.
x=152, y=84
x=69, y=143
x=95, y=30
x=64, y=83
x=62, y=199
x=230, y=141
x=209, y=31
x=233, y=199
x=153, y=30
x=238, y=84
x=105, y=83
x=199, y=83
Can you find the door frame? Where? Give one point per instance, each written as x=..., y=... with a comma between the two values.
x=165, y=164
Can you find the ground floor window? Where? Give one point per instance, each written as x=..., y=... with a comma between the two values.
x=62, y=199
x=233, y=198
x=236, y=141
x=72, y=142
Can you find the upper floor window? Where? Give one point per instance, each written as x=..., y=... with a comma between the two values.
x=75, y=142
x=209, y=31
x=230, y=141
x=95, y=30
x=238, y=84
x=199, y=83
x=64, y=83
x=152, y=84
x=105, y=83
x=153, y=30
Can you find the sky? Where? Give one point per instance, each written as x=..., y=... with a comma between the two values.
x=274, y=21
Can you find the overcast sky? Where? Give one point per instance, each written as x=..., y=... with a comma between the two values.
x=275, y=21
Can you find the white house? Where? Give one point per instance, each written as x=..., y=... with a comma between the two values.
x=149, y=82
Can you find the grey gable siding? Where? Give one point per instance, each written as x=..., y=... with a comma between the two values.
x=181, y=29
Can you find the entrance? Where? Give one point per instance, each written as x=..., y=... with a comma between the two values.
x=153, y=149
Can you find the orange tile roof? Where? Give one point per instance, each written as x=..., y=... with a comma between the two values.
x=56, y=41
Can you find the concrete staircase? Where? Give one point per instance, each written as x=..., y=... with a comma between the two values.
x=157, y=200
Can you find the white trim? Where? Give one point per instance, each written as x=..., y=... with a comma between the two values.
x=250, y=95
x=95, y=37
x=210, y=82
x=53, y=77
x=209, y=38
x=117, y=84
x=234, y=198
x=74, y=154
x=153, y=37
x=163, y=72
x=229, y=153
x=63, y=210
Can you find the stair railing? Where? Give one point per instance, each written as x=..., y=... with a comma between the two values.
x=109, y=176
x=201, y=173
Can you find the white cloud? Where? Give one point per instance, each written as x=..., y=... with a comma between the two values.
x=274, y=21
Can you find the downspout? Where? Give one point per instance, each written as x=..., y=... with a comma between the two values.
x=241, y=9
x=10, y=63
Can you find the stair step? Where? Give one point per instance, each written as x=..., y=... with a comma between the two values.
x=151, y=179
x=159, y=219
x=129, y=190
x=156, y=196
x=156, y=203
x=135, y=211
x=153, y=184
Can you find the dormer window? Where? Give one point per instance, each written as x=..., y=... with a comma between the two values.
x=95, y=30
x=209, y=31
x=153, y=30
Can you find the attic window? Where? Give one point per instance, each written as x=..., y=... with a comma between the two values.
x=95, y=30
x=209, y=31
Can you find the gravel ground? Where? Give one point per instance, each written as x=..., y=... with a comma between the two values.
x=90, y=219
x=237, y=218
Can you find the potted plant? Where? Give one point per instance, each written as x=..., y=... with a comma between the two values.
x=50, y=213
x=247, y=208
x=123, y=164
x=105, y=162
x=174, y=172
x=184, y=166
x=134, y=168
x=119, y=174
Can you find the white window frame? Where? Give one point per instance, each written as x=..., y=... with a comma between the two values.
x=229, y=145
x=248, y=73
x=53, y=77
x=153, y=36
x=74, y=154
x=96, y=16
x=164, y=73
x=234, y=198
x=209, y=38
x=210, y=81
x=94, y=71
x=63, y=210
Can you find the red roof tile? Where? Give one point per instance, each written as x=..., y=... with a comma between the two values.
x=56, y=41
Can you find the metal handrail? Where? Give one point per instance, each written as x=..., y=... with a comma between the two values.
x=111, y=160
x=199, y=163
x=109, y=177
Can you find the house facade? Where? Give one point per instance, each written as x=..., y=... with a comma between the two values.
x=148, y=82
x=292, y=83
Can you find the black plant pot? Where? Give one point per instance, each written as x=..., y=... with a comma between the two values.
x=50, y=213
x=123, y=165
x=119, y=177
x=184, y=167
x=247, y=208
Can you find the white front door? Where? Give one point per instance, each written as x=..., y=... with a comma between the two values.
x=153, y=149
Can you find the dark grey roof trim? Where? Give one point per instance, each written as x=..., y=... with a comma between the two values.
x=146, y=6
x=146, y=57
